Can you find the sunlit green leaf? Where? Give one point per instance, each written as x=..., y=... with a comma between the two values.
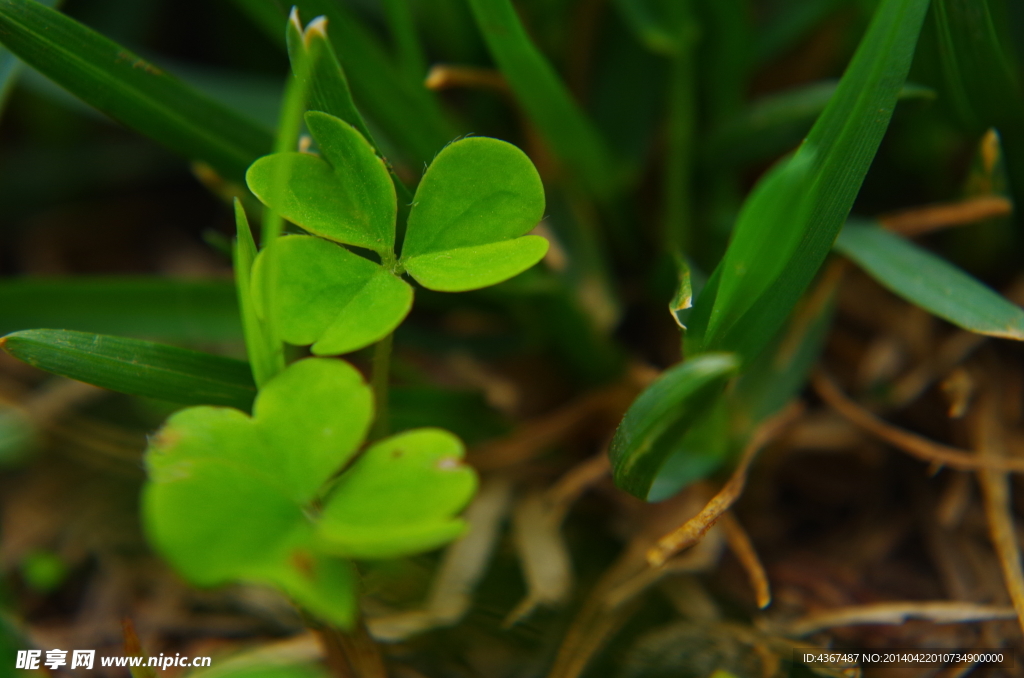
x=930, y=282
x=344, y=194
x=227, y=494
x=399, y=497
x=652, y=427
x=475, y=200
x=332, y=298
x=136, y=367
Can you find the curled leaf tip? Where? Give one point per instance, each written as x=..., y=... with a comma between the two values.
x=293, y=18
x=316, y=27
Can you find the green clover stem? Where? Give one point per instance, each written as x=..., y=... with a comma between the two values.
x=379, y=382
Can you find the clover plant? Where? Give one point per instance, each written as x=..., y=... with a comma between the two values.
x=232, y=497
x=465, y=231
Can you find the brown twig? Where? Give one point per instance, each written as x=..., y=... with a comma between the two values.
x=920, y=220
x=462, y=566
x=352, y=654
x=995, y=488
x=741, y=546
x=533, y=437
x=543, y=555
x=911, y=443
x=695, y=528
x=447, y=76
x=617, y=594
x=576, y=481
x=940, y=612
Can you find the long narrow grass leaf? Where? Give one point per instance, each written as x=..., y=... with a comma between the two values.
x=407, y=113
x=130, y=89
x=265, y=358
x=537, y=87
x=10, y=66
x=408, y=51
x=313, y=58
x=136, y=367
x=927, y=280
x=982, y=78
x=778, y=122
x=788, y=224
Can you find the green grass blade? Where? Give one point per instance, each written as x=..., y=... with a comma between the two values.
x=177, y=311
x=407, y=113
x=776, y=124
x=312, y=57
x=136, y=367
x=129, y=89
x=930, y=282
x=410, y=57
x=571, y=135
x=982, y=78
x=660, y=417
x=10, y=66
x=311, y=53
x=265, y=358
x=790, y=25
x=788, y=224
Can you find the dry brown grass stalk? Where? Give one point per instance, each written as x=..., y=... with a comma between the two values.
x=694, y=529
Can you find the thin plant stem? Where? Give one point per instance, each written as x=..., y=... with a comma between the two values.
x=678, y=208
x=289, y=127
x=379, y=381
x=408, y=50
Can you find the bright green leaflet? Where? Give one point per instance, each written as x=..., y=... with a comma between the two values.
x=332, y=298
x=930, y=282
x=136, y=367
x=229, y=495
x=475, y=200
x=788, y=224
x=465, y=231
x=344, y=194
x=129, y=89
x=400, y=497
x=651, y=429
